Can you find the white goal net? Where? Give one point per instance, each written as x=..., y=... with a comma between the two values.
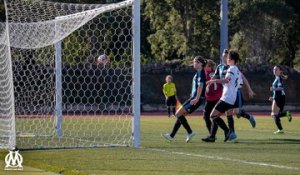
x=54, y=91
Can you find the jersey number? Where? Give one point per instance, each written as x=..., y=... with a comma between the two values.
x=236, y=82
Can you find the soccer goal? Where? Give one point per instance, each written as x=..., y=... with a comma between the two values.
x=54, y=93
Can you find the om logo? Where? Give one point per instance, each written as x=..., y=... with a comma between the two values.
x=13, y=161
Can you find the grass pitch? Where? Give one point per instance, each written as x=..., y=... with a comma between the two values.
x=258, y=151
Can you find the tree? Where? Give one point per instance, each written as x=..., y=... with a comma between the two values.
x=266, y=30
x=182, y=29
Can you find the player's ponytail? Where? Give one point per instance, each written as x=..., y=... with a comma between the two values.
x=282, y=75
x=204, y=63
x=211, y=64
x=225, y=52
x=200, y=59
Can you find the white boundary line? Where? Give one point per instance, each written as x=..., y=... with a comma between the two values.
x=271, y=131
x=227, y=159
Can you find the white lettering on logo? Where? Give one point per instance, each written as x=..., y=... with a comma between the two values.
x=13, y=161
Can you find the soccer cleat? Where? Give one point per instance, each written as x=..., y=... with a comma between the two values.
x=232, y=136
x=209, y=139
x=252, y=120
x=189, y=137
x=289, y=116
x=168, y=137
x=227, y=135
x=279, y=131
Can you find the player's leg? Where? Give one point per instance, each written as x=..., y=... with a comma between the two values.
x=189, y=109
x=244, y=114
x=230, y=121
x=180, y=114
x=240, y=112
x=168, y=104
x=213, y=132
x=281, y=104
x=275, y=111
x=211, y=126
x=220, y=108
x=181, y=120
x=209, y=105
x=173, y=105
x=286, y=114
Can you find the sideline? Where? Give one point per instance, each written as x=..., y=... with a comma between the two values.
x=226, y=159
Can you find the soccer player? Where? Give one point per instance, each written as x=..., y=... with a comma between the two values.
x=169, y=90
x=229, y=94
x=212, y=93
x=195, y=100
x=278, y=99
x=220, y=74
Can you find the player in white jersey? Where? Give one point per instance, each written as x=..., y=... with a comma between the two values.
x=229, y=94
x=220, y=74
x=230, y=88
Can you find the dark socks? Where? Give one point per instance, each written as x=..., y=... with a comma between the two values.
x=169, y=110
x=282, y=114
x=174, y=110
x=207, y=122
x=220, y=122
x=175, y=128
x=185, y=124
x=230, y=122
x=277, y=121
x=214, y=129
x=244, y=114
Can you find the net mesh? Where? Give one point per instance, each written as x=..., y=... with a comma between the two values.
x=63, y=97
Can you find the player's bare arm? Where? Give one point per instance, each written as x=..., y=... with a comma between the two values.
x=248, y=87
x=196, y=99
x=221, y=81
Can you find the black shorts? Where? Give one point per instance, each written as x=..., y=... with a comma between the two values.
x=209, y=106
x=191, y=108
x=280, y=102
x=239, y=102
x=222, y=106
x=171, y=101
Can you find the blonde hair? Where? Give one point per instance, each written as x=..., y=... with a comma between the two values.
x=169, y=76
x=211, y=64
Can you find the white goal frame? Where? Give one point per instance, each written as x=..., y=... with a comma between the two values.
x=136, y=84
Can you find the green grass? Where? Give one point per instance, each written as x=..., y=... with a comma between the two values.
x=258, y=151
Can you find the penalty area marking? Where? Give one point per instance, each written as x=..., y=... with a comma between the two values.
x=227, y=159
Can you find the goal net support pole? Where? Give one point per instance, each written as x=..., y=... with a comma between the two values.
x=223, y=27
x=136, y=74
x=58, y=89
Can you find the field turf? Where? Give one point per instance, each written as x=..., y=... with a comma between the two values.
x=258, y=151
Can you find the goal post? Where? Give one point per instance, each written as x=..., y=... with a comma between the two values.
x=7, y=108
x=136, y=75
x=58, y=89
x=63, y=97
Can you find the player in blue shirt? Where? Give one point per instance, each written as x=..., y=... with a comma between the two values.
x=278, y=99
x=195, y=100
